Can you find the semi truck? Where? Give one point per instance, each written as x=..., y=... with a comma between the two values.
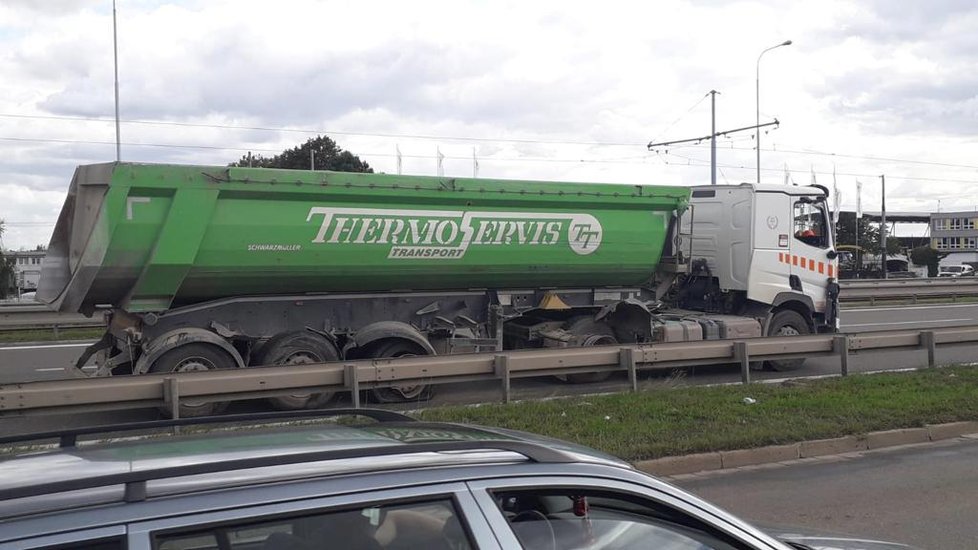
x=207, y=267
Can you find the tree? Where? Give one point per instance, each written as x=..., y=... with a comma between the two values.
x=320, y=151
x=925, y=255
x=7, y=280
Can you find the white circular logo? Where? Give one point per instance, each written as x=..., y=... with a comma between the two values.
x=584, y=234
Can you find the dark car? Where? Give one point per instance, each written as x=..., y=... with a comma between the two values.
x=266, y=482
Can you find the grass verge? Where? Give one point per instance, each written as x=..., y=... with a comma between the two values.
x=644, y=425
x=47, y=335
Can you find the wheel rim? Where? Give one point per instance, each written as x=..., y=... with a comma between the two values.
x=410, y=391
x=598, y=340
x=194, y=363
x=303, y=357
x=787, y=330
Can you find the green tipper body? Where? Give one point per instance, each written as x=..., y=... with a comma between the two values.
x=149, y=237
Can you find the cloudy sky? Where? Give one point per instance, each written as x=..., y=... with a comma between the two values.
x=554, y=90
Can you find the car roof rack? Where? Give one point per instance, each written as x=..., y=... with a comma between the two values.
x=136, y=481
x=69, y=437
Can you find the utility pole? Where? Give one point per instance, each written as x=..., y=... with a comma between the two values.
x=115, y=55
x=712, y=136
x=883, y=227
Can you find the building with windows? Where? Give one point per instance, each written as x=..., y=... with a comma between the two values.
x=27, y=267
x=957, y=234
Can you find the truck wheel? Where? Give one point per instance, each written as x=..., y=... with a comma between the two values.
x=400, y=394
x=195, y=357
x=787, y=323
x=297, y=348
x=591, y=333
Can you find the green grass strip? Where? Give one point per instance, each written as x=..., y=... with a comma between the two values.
x=652, y=424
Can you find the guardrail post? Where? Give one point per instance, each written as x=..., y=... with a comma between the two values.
x=840, y=344
x=741, y=355
x=626, y=360
x=171, y=396
x=57, y=333
x=928, y=342
x=501, y=366
x=351, y=379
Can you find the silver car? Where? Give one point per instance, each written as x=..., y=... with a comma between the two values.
x=297, y=482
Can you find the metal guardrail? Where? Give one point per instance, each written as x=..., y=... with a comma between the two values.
x=166, y=390
x=872, y=290
x=21, y=317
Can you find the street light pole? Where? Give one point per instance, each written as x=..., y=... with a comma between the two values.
x=757, y=82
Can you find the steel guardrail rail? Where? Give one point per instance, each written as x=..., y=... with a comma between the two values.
x=20, y=316
x=166, y=390
x=884, y=289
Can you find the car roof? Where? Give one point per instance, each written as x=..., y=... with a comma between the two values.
x=249, y=450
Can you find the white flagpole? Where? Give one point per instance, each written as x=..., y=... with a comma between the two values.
x=475, y=164
x=837, y=198
x=397, y=151
x=441, y=158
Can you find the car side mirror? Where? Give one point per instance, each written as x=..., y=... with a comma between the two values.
x=832, y=254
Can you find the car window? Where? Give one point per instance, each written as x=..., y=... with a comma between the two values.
x=560, y=519
x=387, y=526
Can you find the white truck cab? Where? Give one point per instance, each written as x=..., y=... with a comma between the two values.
x=764, y=251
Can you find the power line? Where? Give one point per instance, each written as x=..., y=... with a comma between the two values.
x=326, y=132
x=464, y=138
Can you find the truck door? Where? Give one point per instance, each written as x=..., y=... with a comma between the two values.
x=811, y=242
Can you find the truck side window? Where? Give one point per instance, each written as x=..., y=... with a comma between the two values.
x=811, y=224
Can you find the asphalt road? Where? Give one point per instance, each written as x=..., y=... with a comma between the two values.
x=919, y=495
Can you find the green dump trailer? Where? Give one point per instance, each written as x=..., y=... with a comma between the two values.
x=201, y=267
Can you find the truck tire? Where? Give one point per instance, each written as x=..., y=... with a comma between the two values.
x=399, y=394
x=195, y=357
x=591, y=333
x=787, y=323
x=297, y=348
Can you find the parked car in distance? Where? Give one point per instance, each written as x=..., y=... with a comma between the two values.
x=956, y=271
x=290, y=481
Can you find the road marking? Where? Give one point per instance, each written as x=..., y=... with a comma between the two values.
x=905, y=323
x=49, y=346
x=884, y=308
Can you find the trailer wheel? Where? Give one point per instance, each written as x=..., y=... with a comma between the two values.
x=297, y=348
x=400, y=394
x=786, y=323
x=591, y=333
x=195, y=357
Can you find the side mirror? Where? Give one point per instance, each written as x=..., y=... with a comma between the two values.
x=832, y=254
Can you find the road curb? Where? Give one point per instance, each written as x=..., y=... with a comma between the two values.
x=724, y=460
